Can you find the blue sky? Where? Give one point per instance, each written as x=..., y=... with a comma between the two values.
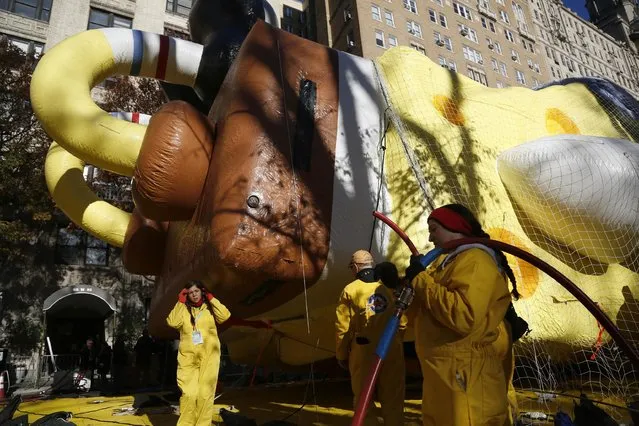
x=578, y=6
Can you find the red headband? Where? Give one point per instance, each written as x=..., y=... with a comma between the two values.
x=451, y=220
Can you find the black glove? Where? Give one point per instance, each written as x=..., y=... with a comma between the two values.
x=415, y=268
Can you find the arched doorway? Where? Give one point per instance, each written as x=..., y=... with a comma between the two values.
x=72, y=315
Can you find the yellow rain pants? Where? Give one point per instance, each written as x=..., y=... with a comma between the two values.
x=457, y=310
x=198, y=364
x=504, y=349
x=362, y=313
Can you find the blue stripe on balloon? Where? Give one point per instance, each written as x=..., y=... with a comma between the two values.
x=138, y=53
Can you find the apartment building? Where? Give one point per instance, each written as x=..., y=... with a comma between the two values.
x=498, y=43
x=573, y=47
x=37, y=25
x=491, y=41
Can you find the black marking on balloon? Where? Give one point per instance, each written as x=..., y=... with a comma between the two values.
x=305, y=128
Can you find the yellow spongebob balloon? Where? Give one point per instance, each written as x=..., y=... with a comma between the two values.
x=554, y=171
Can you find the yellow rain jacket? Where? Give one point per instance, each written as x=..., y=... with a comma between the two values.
x=198, y=364
x=363, y=310
x=504, y=348
x=457, y=311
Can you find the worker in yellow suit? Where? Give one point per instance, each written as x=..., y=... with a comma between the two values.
x=363, y=309
x=195, y=316
x=503, y=346
x=460, y=302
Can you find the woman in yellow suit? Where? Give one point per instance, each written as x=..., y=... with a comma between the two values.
x=363, y=309
x=195, y=315
x=460, y=302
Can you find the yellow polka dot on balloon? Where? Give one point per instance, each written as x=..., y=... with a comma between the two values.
x=448, y=109
x=527, y=276
x=558, y=123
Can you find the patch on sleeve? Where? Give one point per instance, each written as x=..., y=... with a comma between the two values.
x=377, y=303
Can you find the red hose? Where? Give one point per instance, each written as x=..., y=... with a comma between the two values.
x=397, y=230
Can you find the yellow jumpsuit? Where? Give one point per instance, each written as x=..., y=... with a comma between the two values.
x=363, y=311
x=198, y=364
x=457, y=311
x=504, y=348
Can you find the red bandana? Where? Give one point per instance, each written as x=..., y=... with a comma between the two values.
x=451, y=220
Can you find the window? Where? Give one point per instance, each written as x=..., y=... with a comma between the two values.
x=452, y=65
x=388, y=15
x=448, y=43
x=500, y=2
x=183, y=7
x=500, y=85
x=462, y=11
x=442, y=61
x=439, y=2
x=519, y=12
x=535, y=82
x=34, y=9
x=392, y=41
x=102, y=19
x=494, y=64
x=437, y=38
x=379, y=38
x=504, y=16
x=472, y=55
x=521, y=79
x=478, y=76
x=419, y=48
x=76, y=247
x=376, y=13
x=288, y=12
x=410, y=5
x=432, y=15
x=443, y=21
x=469, y=33
x=509, y=36
x=484, y=22
x=503, y=69
x=498, y=48
x=514, y=55
x=414, y=28
x=29, y=47
x=288, y=28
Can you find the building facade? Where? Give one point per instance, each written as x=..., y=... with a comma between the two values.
x=498, y=43
x=574, y=47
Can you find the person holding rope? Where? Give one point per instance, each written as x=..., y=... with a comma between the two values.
x=363, y=309
x=195, y=316
x=460, y=304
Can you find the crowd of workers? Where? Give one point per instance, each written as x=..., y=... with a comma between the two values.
x=462, y=314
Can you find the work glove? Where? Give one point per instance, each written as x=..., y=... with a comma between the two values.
x=414, y=268
x=183, y=294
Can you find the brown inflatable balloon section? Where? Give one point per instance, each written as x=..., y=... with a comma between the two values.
x=144, y=245
x=261, y=226
x=173, y=163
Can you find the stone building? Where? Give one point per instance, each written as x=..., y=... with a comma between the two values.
x=498, y=43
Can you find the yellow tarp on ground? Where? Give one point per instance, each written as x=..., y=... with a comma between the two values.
x=329, y=405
